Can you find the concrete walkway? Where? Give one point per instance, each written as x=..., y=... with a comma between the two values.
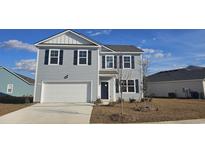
x=50, y=113
x=192, y=121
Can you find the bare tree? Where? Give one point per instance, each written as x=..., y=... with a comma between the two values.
x=122, y=76
x=145, y=69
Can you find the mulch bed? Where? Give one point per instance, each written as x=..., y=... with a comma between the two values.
x=166, y=110
x=7, y=108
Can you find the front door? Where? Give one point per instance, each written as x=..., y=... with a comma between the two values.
x=104, y=90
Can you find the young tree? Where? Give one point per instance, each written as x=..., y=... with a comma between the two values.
x=122, y=76
x=145, y=69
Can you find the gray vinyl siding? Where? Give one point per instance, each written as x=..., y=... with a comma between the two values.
x=74, y=72
x=20, y=87
x=135, y=73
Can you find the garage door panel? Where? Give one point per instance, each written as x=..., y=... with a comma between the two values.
x=65, y=92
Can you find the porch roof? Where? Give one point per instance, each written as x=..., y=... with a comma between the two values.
x=110, y=72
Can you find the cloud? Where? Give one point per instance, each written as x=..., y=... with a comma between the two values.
x=159, y=55
x=155, y=53
x=100, y=32
x=18, y=45
x=143, y=41
x=26, y=65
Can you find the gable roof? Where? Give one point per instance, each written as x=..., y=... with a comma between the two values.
x=113, y=48
x=124, y=48
x=65, y=31
x=22, y=77
x=188, y=73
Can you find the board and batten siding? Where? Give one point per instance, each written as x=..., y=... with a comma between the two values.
x=74, y=72
x=20, y=87
x=67, y=39
x=161, y=89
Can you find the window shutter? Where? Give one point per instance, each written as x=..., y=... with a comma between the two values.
x=89, y=57
x=46, y=57
x=120, y=65
x=133, y=62
x=117, y=85
x=137, y=86
x=103, y=61
x=61, y=57
x=115, y=61
x=75, y=57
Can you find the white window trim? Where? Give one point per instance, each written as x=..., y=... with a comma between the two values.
x=133, y=85
x=49, y=59
x=112, y=61
x=79, y=50
x=127, y=92
x=124, y=61
x=12, y=88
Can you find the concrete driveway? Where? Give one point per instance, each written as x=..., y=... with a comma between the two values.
x=50, y=113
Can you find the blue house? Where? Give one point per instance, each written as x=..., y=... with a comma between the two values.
x=14, y=84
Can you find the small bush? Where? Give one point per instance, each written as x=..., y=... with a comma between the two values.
x=98, y=101
x=15, y=100
x=132, y=100
x=172, y=95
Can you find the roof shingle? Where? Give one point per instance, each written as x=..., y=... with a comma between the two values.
x=188, y=73
x=124, y=48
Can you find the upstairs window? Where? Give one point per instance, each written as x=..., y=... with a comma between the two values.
x=126, y=61
x=54, y=57
x=83, y=57
x=10, y=88
x=109, y=61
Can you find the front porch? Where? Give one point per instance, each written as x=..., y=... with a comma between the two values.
x=106, y=85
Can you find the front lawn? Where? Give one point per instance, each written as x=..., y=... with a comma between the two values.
x=168, y=110
x=7, y=108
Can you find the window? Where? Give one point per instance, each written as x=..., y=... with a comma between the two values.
x=127, y=61
x=131, y=86
x=123, y=85
x=9, y=88
x=109, y=62
x=82, y=57
x=54, y=57
x=128, y=85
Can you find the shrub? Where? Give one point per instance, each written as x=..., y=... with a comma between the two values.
x=172, y=95
x=132, y=100
x=15, y=100
x=112, y=103
x=98, y=101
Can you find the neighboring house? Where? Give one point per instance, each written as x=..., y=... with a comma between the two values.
x=74, y=68
x=187, y=82
x=14, y=84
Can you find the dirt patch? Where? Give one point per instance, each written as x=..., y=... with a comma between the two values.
x=167, y=110
x=7, y=108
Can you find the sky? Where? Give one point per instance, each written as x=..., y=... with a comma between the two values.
x=164, y=49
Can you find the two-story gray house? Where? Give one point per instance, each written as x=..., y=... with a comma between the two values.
x=73, y=68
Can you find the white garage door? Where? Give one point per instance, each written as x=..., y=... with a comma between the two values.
x=65, y=92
